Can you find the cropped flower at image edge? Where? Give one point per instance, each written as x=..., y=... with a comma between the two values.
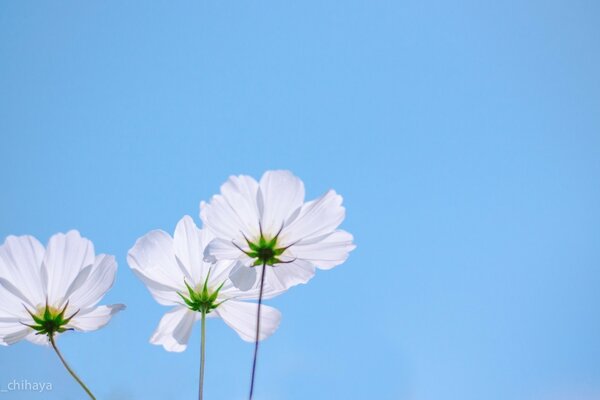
x=47, y=291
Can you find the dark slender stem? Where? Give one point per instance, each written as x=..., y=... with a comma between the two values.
x=260, y=295
x=202, y=355
x=73, y=374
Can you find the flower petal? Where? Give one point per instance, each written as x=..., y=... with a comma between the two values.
x=94, y=318
x=244, y=284
x=20, y=263
x=326, y=253
x=174, y=329
x=40, y=340
x=99, y=281
x=281, y=194
x=221, y=249
x=12, y=332
x=242, y=318
x=17, y=294
x=234, y=212
x=80, y=279
x=189, y=242
x=152, y=259
x=283, y=276
x=66, y=255
x=11, y=306
x=241, y=192
x=316, y=218
x=242, y=277
x=163, y=294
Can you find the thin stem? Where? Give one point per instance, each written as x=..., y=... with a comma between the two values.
x=260, y=295
x=73, y=374
x=202, y=355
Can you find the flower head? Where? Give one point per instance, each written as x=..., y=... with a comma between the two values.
x=47, y=291
x=176, y=274
x=269, y=223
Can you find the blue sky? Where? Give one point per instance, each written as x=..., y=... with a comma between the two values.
x=465, y=139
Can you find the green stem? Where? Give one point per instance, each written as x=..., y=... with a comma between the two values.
x=260, y=295
x=73, y=374
x=202, y=354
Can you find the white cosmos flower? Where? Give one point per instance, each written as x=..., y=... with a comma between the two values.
x=59, y=285
x=269, y=222
x=173, y=268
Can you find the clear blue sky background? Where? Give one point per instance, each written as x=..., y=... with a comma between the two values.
x=464, y=137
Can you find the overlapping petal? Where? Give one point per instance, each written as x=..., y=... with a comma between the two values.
x=21, y=263
x=316, y=218
x=94, y=318
x=12, y=332
x=152, y=259
x=326, y=252
x=66, y=255
x=241, y=317
x=307, y=233
x=189, y=242
x=99, y=280
x=174, y=329
x=66, y=274
x=281, y=195
x=234, y=213
x=167, y=264
x=284, y=276
x=222, y=249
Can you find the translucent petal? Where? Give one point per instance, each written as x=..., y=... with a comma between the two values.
x=316, y=218
x=20, y=263
x=281, y=195
x=174, y=329
x=94, y=318
x=242, y=318
x=66, y=255
x=326, y=253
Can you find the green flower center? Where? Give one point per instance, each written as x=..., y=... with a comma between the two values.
x=49, y=320
x=202, y=300
x=265, y=254
x=265, y=251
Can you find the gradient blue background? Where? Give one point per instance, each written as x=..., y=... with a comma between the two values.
x=464, y=137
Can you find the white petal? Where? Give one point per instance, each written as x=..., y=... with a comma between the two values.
x=242, y=277
x=234, y=212
x=240, y=192
x=80, y=279
x=222, y=249
x=242, y=318
x=99, y=281
x=20, y=263
x=219, y=273
x=66, y=255
x=281, y=195
x=40, y=340
x=174, y=329
x=316, y=218
x=95, y=318
x=152, y=259
x=163, y=294
x=13, y=294
x=155, y=252
x=12, y=332
x=328, y=252
x=244, y=284
x=189, y=242
x=284, y=276
x=10, y=305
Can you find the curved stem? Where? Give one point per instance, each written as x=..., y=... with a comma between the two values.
x=73, y=374
x=260, y=295
x=202, y=355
